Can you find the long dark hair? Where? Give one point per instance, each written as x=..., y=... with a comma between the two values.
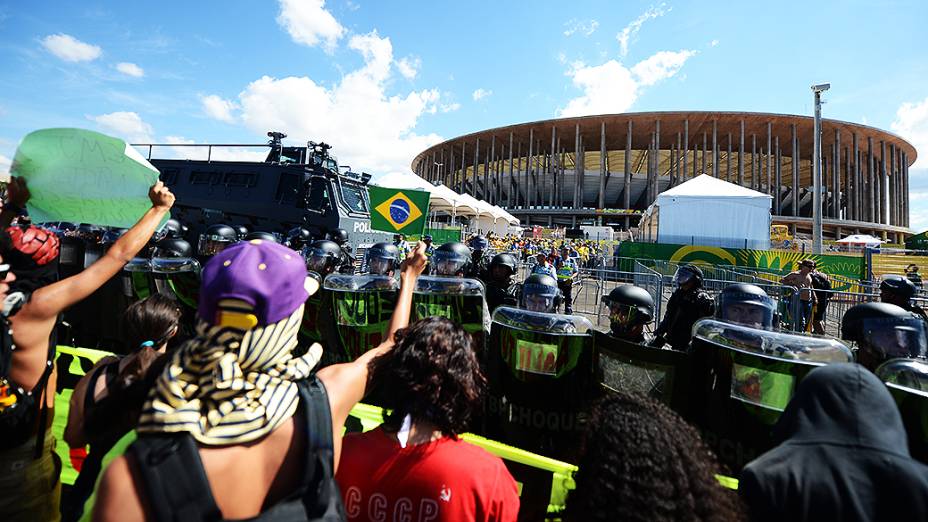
x=432, y=374
x=641, y=461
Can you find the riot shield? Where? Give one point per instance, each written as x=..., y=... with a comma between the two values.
x=907, y=380
x=743, y=378
x=362, y=306
x=630, y=367
x=460, y=300
x=540, y=373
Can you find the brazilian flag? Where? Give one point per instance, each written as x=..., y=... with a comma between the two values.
x=399, y=211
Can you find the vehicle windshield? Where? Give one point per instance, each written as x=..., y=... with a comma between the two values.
x=355, y=197
x=318, y=197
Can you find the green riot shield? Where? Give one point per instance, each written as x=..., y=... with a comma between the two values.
x=743, y=378
x=318, y=327
x=178, y=277
x=907, y=380
x=630, y=367
x=540, y=373
x=460, y=300
x=136, y=278
x=362, y=306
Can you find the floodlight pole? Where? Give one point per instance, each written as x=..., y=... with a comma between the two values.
x=817, y=91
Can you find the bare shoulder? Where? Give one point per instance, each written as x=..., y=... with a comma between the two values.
x=117, y=497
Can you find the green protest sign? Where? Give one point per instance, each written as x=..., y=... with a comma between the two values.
x=81, y=176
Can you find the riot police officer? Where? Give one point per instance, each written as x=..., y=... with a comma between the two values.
x=173, y=229
x=298, y=238
x=747, y=305
x=500, y=289
x=540, y=294
x=479, y=261
x=566, y=270
x=382, y=259
x=215, y=239
x=340, y=237
x=261, y=235
x=631, y=308
x=884, y=331
x=688, y=303
x=899, y=291
x=323, y=257
x=451, y=260
x=171, y=248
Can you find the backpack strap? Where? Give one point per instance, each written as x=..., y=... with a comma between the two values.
x=169, y=469
x=321, y=496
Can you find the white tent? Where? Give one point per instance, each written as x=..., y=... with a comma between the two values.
x=860, y=240
x=712, y=212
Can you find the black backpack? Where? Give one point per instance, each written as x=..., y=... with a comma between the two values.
x=171, y=472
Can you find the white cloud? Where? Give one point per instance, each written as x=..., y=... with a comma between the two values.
x=126, y=125
x=912, y=124
x=578, y=26
x=713, y=43
x=5, y=166
x=632, y=29
x=370, y=129
x=309, y=23
x=409, y=67
x=449, y=107
x=218, y=108
x=481, y=93
x=612, y=87
x=130, y=69
x=660, y=66
x=70, y=49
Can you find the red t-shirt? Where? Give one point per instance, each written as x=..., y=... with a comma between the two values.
x=443, y=480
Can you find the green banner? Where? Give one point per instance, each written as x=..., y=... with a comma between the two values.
x=81, y=176
x=398, y=211
x=779, y=261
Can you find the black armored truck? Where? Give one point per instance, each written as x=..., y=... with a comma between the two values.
x=293, y=187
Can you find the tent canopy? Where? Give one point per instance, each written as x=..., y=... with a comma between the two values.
x=713, y=212
x=860, y=239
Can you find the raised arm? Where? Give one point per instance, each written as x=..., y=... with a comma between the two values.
x=49, y=301
x=346, y=383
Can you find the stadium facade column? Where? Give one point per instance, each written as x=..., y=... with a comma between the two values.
x=715, y=149
x=884, y=185
x=537, y=174
x=528, y=169
x=871, y=181
x=837, y=167
x=681, y=154
x=628, y=172
x=576, y=164
x=601, y=200
x=848, y=195
x=705, y=149
x=511, y=179
x=795, y=163
x=905, y=189
x=897, y=175
x=856, y=157
x=686, y=146
x=741, y=156
x=657, y=157
x=754, y=177
x=769, y=158
x=672, y=159
x=463, y=166
x=491, y=160
x=555, y=165
x=778, y=160
x=893, y=208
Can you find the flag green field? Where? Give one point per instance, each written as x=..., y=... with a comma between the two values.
x=398, y=211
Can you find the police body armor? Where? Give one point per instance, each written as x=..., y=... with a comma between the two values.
x=743, y=378
x=362, y=306
x=540, y=373
x=626, y=366
x=907, y=380
x=460, y=300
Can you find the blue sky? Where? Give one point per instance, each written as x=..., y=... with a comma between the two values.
x=384, y=80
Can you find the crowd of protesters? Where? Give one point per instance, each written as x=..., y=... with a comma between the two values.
x=238, y=422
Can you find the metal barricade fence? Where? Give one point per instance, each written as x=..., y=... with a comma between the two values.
x=838, y=303
x=592, y=284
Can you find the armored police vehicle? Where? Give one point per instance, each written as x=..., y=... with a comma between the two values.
x=293, y=187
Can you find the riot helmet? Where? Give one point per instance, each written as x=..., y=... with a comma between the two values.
x=339, y=236
x=630, y=307
x=299, y=237
x=897, y=290
x=687, y=273
x=502, y=268
x=91, y=234
x=242, y=231
x=323, y=256
x=173, y=229
x=884, y=331
x=540, y=293
x=478, y=244
x=747, y=305
x=172, y=248
x=451, y=259
x=111, y=235
x=261, y=235
x=215, y=239
x=382, y=258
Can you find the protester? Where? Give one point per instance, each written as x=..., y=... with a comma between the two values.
x=226, y=406
x=29, y=488
x=641, y=461
x=822, y=286
x=842, y=455
x=802, y=280
x=415, y=464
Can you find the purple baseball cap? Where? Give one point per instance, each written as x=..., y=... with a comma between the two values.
x=270, y=277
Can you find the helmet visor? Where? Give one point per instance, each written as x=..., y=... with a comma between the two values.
x=210, y=245
x=889, y=338
x=448, y=263
x=380, y=265
x=317, y=260
x=626, y=315
x=539, y=298
x=682, y=276
x=755, y=311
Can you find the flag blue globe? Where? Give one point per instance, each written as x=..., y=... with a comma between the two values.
x=399, y=211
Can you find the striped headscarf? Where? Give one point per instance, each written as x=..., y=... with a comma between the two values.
x=229, y=385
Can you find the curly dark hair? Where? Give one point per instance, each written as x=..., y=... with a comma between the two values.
x=432, y=374
x=641, y=461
